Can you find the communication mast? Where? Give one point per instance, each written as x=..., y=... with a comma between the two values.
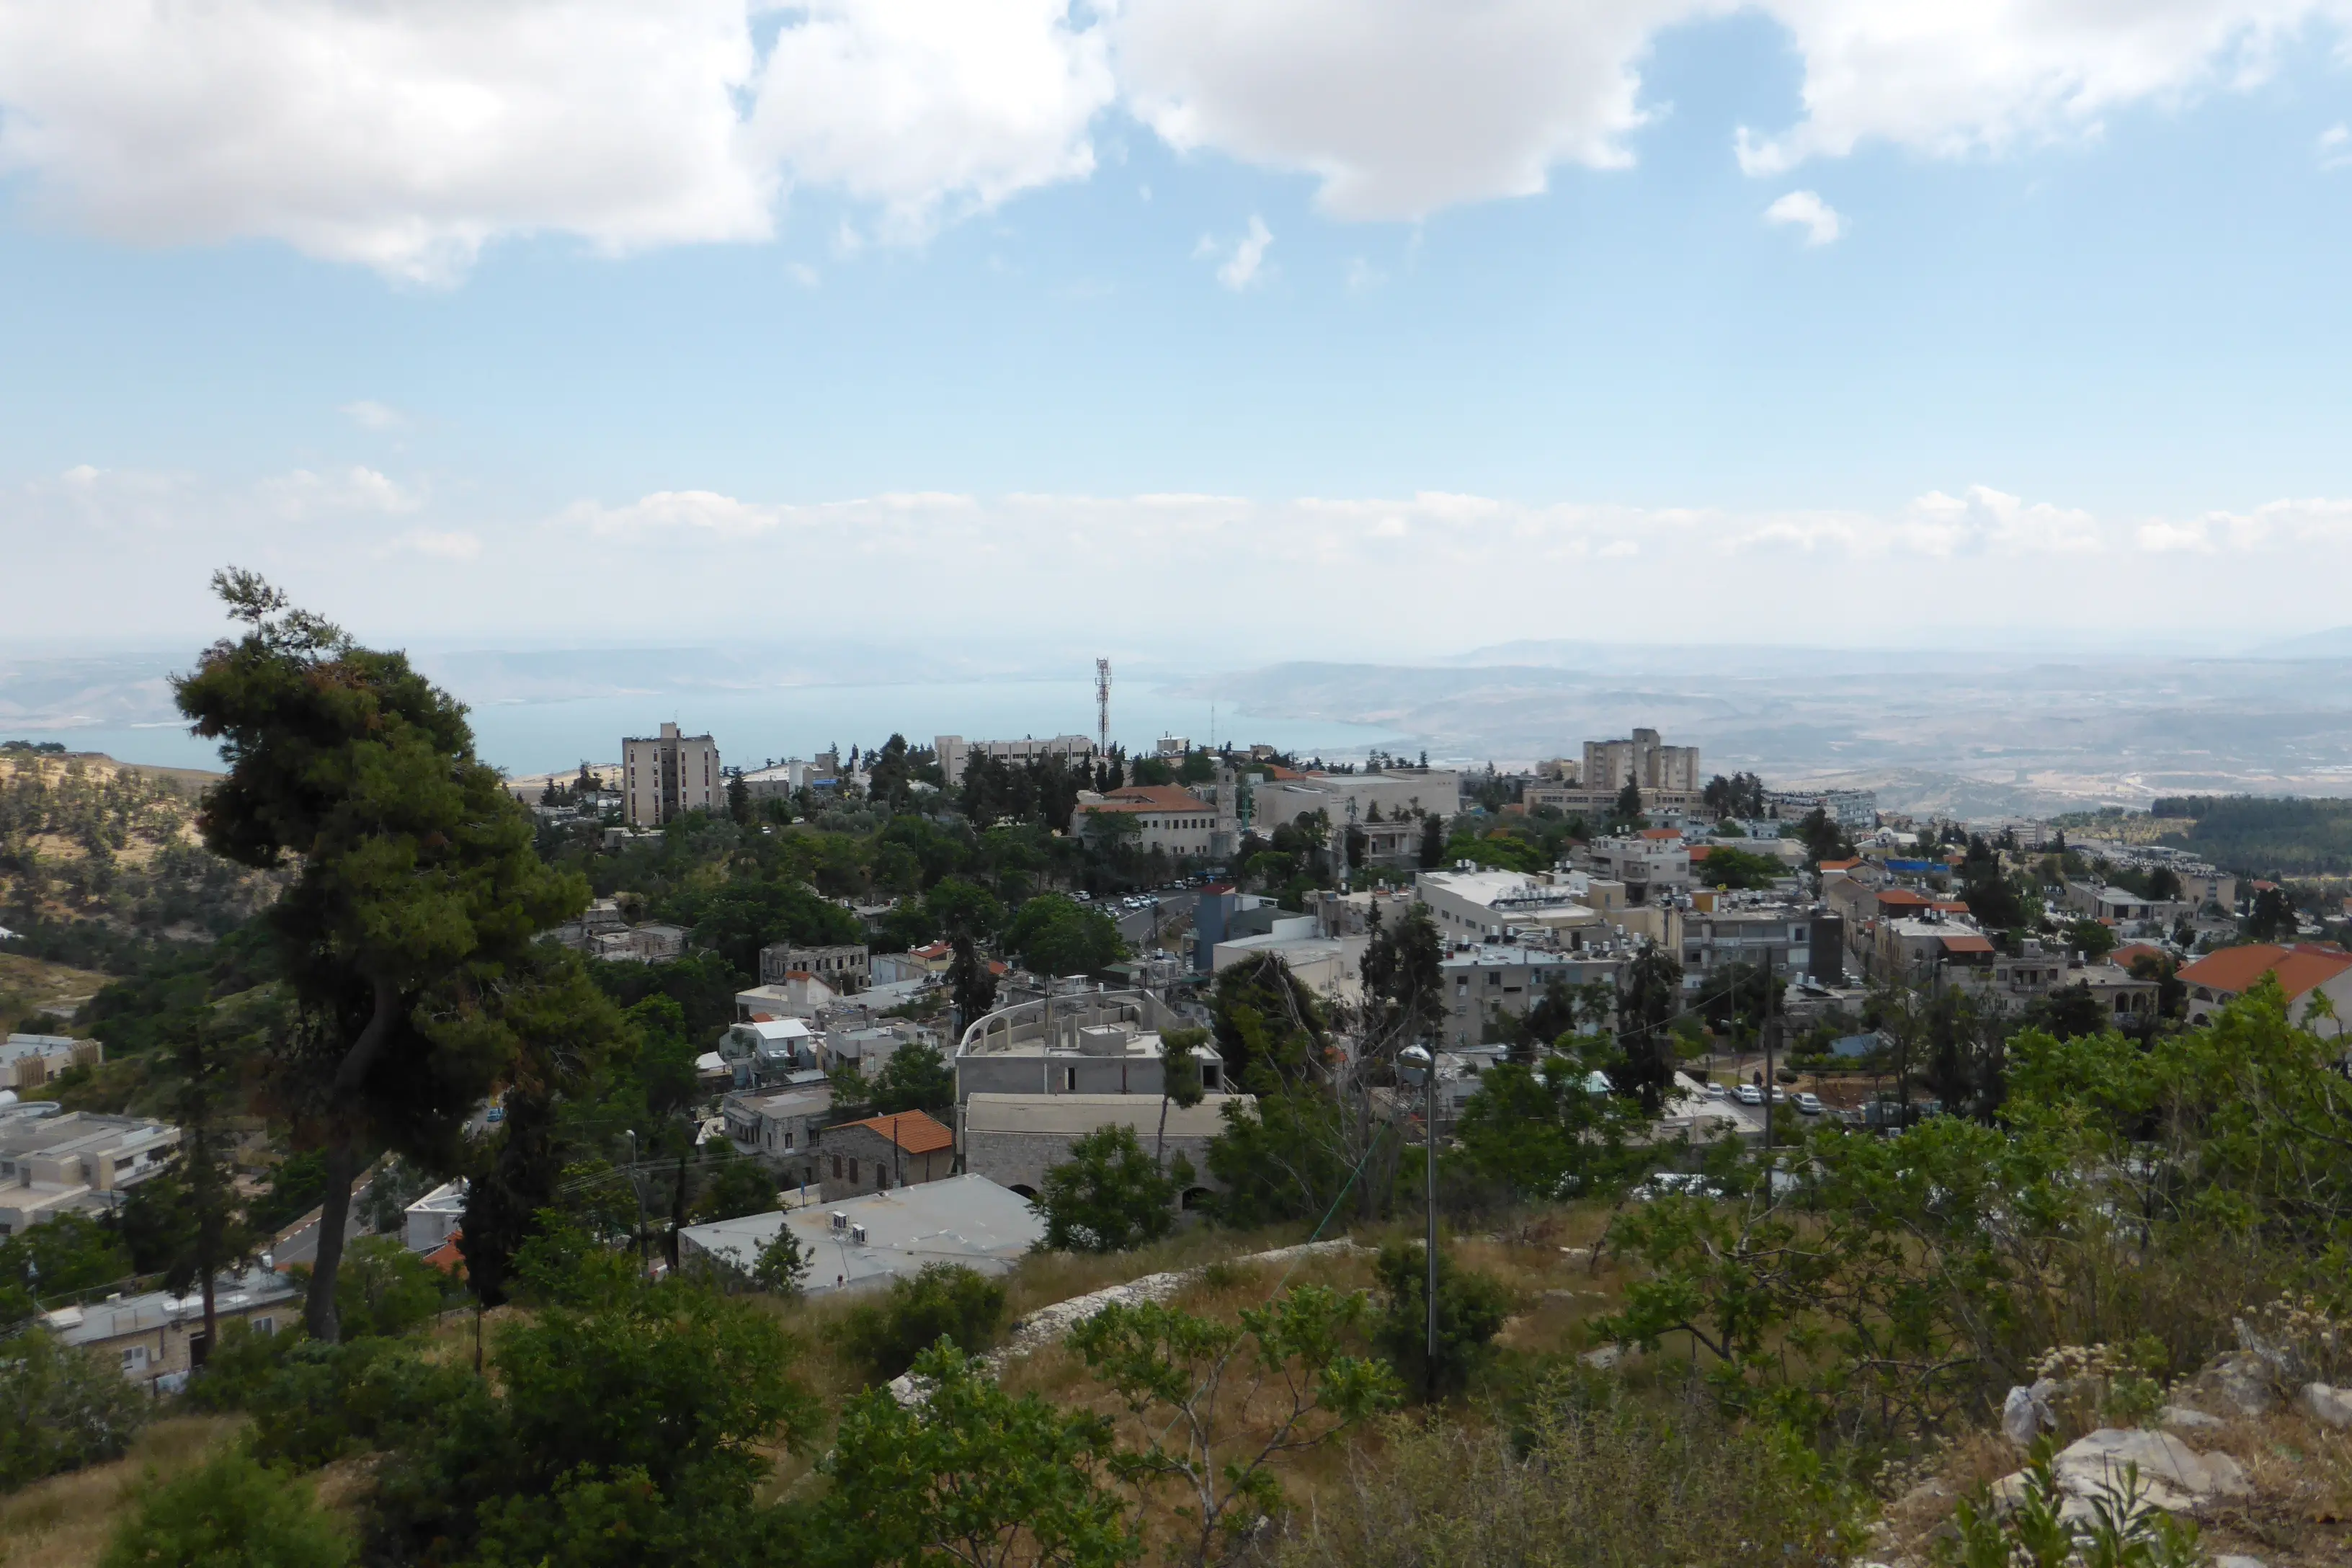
x=1102, y=707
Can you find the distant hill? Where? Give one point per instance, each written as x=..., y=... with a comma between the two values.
x=2334, y=643
x=2256, y=836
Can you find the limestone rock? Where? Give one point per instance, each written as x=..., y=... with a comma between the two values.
x=2331, y=1406
x=2234, y=1560
x=1602, y=1359
x=2184, y=1419
x=2173, y=1476
x=2024, y=1416
x=2240, y=1381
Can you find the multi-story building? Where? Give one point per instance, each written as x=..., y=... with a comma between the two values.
x=843, y=967
x=2305, y=973
x=1487, y=981
x=1642, y=761
x=1652, y=862
x=1764, y=934
x=778, y=1128
x=1168, y=818
x=1856, y=810
x=1387, y=805
x=150, y=1336
x=667, y=775
x=79, y=1162
x=28, y=1061
x=955, y=753
x=1093, y=1043
x=1478, y=906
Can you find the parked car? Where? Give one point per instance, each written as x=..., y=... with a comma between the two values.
x=1717, y=1091
x=1748, y=1094
x=1808, y=1105
x=1663, y=1182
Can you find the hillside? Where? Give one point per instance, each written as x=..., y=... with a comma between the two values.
x=94, y=852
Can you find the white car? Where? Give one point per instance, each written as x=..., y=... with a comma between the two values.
x=1808, y=1105
x=1748, y=1094
x=1717, y=1091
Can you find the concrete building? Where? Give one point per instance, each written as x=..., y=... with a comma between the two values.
x=651, y=943
x=667, y=775
x=955, y=753
x=433, y=1218
x=1487, y=981
x=2305, y=972
x=1651, y=863
x=1167, y=817
x=1471, y=905
x=865, y=1243
x=29, y=1061
x=1856, y=810
x=1094, y=1043
x=1014, y=1139
x=780, y=1127
x=902, y=1148
x=1760, y=933
x=1388, y=803
x=148, y=1336
x=77, y=1162
x=845, y=968
x=1641, y=760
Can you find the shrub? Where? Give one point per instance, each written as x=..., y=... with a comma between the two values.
x=1110, y=1195
x=385, y=1289
x=232, y=1513
x=946, y=1300
x=314, y=1403
x=1471, y=1311
x=60, y=1409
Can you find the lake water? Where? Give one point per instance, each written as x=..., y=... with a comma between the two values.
x=532, y=735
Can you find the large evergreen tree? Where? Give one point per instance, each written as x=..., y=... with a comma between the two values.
x=415, y=890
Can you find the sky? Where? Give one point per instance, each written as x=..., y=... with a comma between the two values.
x=1222, y=329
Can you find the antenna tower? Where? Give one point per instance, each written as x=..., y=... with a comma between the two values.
x=1102, y=706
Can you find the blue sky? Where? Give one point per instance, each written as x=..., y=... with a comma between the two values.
x=2065, y=341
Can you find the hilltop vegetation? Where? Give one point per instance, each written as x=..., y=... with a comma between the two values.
x=2255, y=835
x=99, y=861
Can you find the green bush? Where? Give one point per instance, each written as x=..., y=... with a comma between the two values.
x=1110, y=1195
x=385, y=1289
x=314, y=1403
x=60, y=1409
x=1471, y=1311
x=232, y=1513
x=946, y=1301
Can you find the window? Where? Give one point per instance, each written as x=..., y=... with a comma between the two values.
x=836, y=1167
x=134, y=1358
x=125, y=1162
x=852, y=1172
x=787, y=1137
x=1069, y=1081
x=264, y=1325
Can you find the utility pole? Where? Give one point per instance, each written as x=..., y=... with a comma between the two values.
x=1771, y=985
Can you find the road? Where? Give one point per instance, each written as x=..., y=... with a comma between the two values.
x=1135, y=926
x=301, y=1245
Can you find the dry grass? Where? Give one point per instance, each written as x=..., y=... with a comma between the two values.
x=64, y=1521
x=29, y=985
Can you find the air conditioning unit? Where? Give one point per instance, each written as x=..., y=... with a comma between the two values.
x=840, y=1220
x=858, y=1233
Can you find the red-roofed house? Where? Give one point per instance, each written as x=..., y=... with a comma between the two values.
x=898, y=1150
x=2305, y=972
x=1174, y=821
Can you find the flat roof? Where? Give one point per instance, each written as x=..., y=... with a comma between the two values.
x=100, y=1320
x=960, y=1220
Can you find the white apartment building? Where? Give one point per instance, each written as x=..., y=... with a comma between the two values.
x=955, y=753
x=1395, y=798
x=666, y=775
x=1654, y=861
x=79, y=1162
x=1483, y=981
x=1477, y=906
x=1641, y=760
x=1856, y=810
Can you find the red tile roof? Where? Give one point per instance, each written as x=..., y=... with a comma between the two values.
x=1838, y=865
x=2129, y=954
x=1968, y=944
x=1662, y=833
x=910, y=1129
x=2299, y=968
x=1902, y=898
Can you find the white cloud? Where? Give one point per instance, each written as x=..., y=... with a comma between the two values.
x=1398, y=107
x=370, y=414
x=1241, y=261
x=921, y=107
x=453, y=544
x=2335, y=147
x=1954, y=79
x=1806, y=210
x=301, y=495
x=406, y=137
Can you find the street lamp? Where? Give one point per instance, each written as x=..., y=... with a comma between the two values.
x=639, y=1194
x=1412, y=1059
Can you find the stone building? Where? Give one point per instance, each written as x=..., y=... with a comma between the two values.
x=902, y=1148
